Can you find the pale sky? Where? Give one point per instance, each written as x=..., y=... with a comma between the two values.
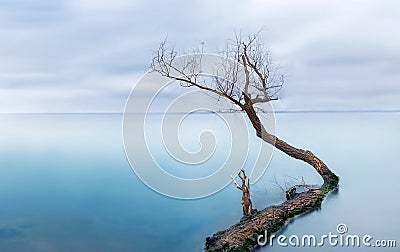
x=86, y=55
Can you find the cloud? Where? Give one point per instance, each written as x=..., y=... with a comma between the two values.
x=85, y=56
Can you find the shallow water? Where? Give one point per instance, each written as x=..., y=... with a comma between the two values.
x=66, y=185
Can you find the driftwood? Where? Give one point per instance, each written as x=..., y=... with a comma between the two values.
x=243, y=235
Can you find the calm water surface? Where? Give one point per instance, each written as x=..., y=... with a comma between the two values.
x=66, y=185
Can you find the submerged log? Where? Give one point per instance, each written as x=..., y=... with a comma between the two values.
x=243, y=235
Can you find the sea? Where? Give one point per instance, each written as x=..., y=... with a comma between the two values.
x=66, y=184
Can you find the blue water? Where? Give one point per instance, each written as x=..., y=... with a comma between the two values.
x=66, y=185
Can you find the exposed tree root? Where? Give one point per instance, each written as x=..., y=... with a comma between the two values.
x=243, y=235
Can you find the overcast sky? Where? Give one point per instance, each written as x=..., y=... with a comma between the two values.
x=86, y=55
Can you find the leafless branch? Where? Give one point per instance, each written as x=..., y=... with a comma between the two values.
x=237, y=185
x=247, y=58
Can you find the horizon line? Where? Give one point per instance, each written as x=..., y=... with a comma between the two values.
x=204, y=112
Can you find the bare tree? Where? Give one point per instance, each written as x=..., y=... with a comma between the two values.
x=261, y=84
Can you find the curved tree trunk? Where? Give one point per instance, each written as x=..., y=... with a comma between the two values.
x=243, y=236
x=304, y=155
